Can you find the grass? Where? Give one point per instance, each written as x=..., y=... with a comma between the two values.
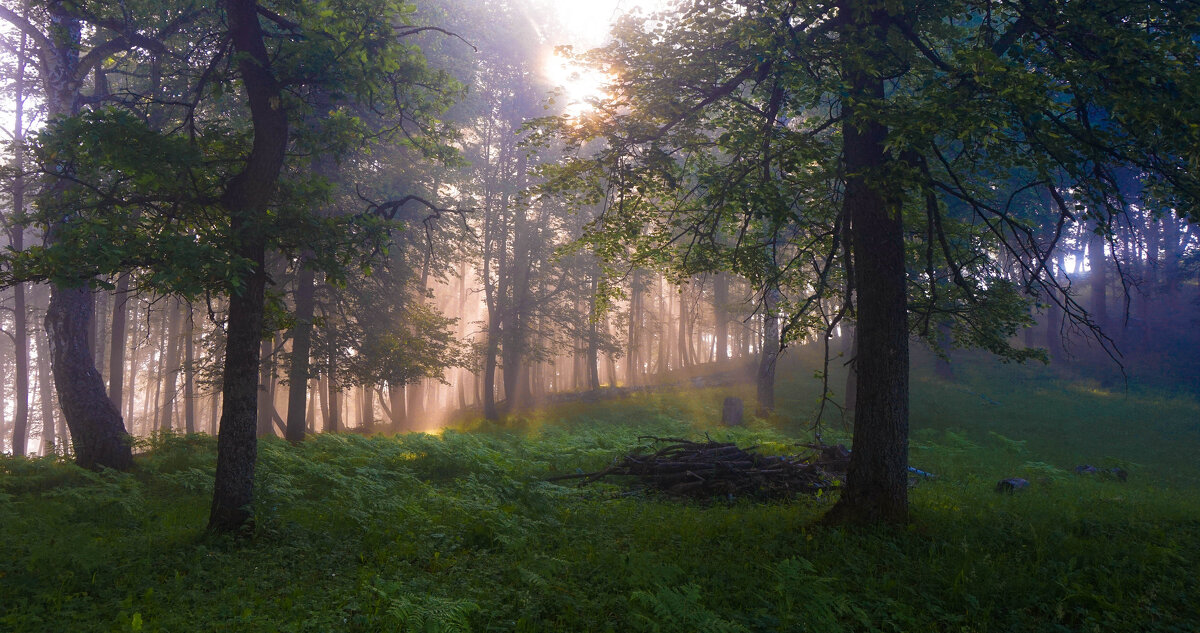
x=460, y=532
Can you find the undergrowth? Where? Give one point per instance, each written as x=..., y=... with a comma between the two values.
x=461, y=532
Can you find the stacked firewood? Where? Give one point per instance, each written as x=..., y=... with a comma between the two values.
x=716, y=469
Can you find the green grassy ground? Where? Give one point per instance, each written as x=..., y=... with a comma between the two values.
x=460, y=531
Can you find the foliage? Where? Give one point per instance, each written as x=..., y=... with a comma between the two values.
x=148, y=177
x=719, y=145
x=461, y=532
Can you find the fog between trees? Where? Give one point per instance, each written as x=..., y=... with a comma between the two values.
x=396, y=219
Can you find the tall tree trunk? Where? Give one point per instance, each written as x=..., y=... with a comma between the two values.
x=416, y=402
x=171, y=373
x=133, y=371
x=681, y=338
x=4, y=431
x=769, y=357
x=593, y=337
x=943, y=368
x=664, y=330
x=97, y=430
x=151, y=414
x=1098, y=278
x=721, y=316
x=21, y=357
x=396, y=406
x=333, y=419
x=490, y=411
x=366, y=408
x=17, y=243
x=301, y=348
x=310, y=418
x=100, y=340
x=116, y=350
x=266, y=408
x=46, y=397
x=877, y=480
x=1053, y=325
x=189, y=373
x=851, y=374
x=323, y=389
x=246, y=199
x=633, y=356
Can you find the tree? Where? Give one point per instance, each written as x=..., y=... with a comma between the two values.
x=210, y=232
x=97, y=430
x=884, y=120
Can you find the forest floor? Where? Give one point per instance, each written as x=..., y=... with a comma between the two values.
x=461, y=531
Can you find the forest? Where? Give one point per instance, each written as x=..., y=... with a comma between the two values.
x=658, y=315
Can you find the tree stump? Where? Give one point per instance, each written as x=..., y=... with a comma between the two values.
x=731, y=412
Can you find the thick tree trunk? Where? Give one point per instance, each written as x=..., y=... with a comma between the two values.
x=237, y=447
x=416, y=402
x=301, y=348
x=97, y=431
x=396, y=406
x=877, y=480
x=246, y=199
x=100, y=336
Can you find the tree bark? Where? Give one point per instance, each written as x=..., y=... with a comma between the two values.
x=97, y=430
x=116, y=350
x=246, y=198
x=265, y=406
x=396, y=406
x=721, y=316
x=633, y=355
x=876, y=487
x=769, y=357
x=301, y=349
x=189, y=373
x=17, y=243
x=46, y=393
x=171, y=370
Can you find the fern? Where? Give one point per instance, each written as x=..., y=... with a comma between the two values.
x=678, y=610
x=427, y=614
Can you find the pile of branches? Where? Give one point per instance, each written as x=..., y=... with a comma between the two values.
x=715, y=469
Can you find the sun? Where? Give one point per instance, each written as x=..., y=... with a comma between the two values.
x=579, y=86
x=585, y=24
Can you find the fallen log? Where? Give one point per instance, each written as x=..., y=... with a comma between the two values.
x=687, y=468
